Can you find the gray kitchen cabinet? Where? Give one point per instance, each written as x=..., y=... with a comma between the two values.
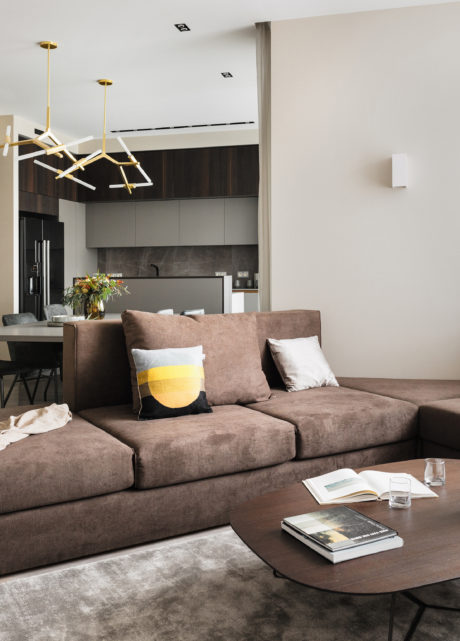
x=241, y=221
x=168, y=223
x=157, y=223
x=110, y=224
x=202, y=221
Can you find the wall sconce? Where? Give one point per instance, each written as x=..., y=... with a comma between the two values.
x=399, y=170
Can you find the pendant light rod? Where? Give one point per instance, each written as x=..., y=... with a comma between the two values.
x=105, y=82
x=48, y=44
x=56, y=148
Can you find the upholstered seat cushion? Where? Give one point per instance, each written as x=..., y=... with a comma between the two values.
x=417, y=391
x=73, y=462
x=440, y=423
x=187, y=448
x=332, y=420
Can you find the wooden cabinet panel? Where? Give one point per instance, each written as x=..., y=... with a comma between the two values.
x=157, y=223
x=202, y=222
x=110, y=225
x=38, y=204
x=243, y=171
x=208, y=172
x=241, y=221
x=196, y=173
x=40, y=181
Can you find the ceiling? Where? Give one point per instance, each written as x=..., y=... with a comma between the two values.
x=162, y=78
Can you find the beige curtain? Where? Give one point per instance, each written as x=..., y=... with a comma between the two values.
x=263, y=47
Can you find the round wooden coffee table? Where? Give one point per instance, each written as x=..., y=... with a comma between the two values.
x=430, y=529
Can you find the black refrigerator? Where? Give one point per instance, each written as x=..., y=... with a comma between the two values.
x=41, y=264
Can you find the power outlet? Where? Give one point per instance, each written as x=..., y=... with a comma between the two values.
x=242, y=274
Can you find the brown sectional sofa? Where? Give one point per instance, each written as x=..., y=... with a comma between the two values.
x=107, y=481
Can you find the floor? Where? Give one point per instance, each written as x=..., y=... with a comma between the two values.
x=156, y=545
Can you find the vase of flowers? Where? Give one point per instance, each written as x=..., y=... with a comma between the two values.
x=90, y=293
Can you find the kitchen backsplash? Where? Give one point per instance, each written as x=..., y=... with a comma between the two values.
x=179, y=261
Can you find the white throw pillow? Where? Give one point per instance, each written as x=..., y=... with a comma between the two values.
x=301, y=363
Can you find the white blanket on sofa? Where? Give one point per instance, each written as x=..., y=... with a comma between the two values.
x=36, y=421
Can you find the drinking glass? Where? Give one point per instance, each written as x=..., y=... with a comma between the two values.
x=400, y=496
x=435, y=471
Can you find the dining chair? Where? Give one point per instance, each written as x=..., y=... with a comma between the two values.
x=10, y=368
x=33, y=361
x=54, y=310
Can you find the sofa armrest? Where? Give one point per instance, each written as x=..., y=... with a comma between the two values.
x=95, y=365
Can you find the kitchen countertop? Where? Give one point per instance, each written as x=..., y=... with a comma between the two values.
x=246, y=291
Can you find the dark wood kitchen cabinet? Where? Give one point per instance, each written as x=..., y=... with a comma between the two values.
x=205, y=172
x=38, y=180
x=208, y=172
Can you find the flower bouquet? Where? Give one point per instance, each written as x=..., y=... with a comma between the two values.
x=90, y=293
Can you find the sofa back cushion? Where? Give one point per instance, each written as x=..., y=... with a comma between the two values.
x=296, y=323
x=96, y=366
x=232, y=366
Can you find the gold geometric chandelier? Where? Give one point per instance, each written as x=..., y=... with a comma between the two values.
x=102, y=154
x=47, y=141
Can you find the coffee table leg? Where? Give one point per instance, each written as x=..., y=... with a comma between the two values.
x=415, y=621
x=421, y=607
x=392, y=616
x=418, y=615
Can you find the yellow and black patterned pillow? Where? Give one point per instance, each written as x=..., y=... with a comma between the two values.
x=170, y=382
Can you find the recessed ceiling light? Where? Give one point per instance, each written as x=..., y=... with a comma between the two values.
x=182, y=26
x=227, y=74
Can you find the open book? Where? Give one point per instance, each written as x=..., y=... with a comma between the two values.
x=346, y=486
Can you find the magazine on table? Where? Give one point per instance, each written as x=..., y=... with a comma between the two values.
x=341, y=533
x=346, y=486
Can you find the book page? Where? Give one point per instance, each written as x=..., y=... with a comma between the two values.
x=380, y=481
x=338, y=484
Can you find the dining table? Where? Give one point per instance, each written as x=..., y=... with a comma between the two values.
x=38, y=332
x=32, y=332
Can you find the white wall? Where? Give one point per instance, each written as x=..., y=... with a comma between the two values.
x=78, y=260
x=382, y=264
x=201, y=137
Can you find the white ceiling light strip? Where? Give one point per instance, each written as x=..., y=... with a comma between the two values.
x=7, y=140
x=78, y=164
x=137, y=164
x=59, y=171
x=55, y=149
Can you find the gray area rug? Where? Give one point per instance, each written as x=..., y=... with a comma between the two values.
x=207, y=588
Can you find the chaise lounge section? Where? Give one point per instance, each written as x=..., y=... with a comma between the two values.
x=108, y=481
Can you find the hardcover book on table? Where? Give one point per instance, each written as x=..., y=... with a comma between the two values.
x=341, y=533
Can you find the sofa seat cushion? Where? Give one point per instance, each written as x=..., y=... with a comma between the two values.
x=187, y=448
x=73, y=462
x=417, y=391
x=332, y=420
x=440, y=422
